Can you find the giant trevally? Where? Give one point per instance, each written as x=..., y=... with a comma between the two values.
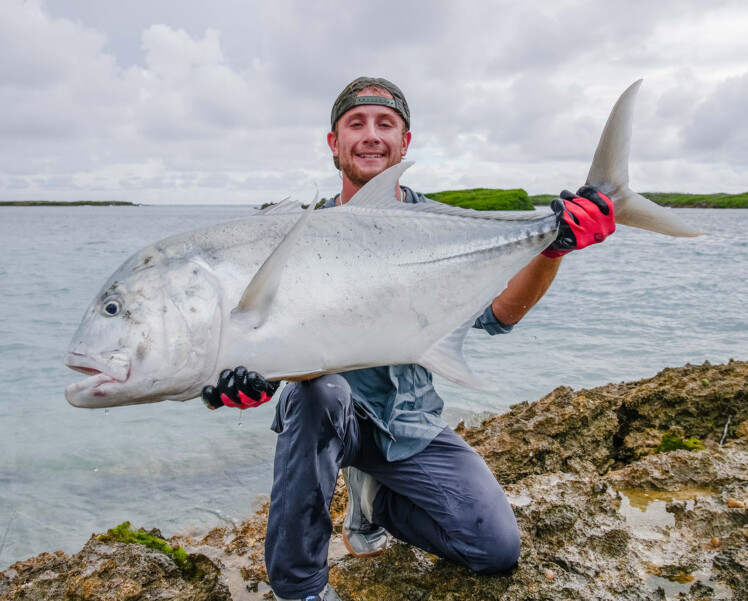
x=294, y=293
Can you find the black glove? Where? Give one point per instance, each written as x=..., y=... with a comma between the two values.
x=239, y=388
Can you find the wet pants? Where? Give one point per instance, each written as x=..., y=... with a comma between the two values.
x=444, y=499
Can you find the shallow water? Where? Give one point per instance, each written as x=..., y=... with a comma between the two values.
x=645, y=511
x=620, y=311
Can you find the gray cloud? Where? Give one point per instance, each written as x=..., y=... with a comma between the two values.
x=189, y=102
x=718, y=128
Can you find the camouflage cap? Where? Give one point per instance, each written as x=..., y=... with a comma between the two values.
x=349, y=98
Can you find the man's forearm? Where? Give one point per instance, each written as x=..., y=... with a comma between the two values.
x=525, y=289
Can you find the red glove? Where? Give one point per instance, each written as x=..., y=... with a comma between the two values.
x=239, y=388
x=584, y=219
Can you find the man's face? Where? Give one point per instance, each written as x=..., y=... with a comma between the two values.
x=367, y=140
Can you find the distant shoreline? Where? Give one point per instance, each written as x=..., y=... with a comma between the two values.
x=677, y=200
x=478, y=199
x=66, y=203
x=519, y=200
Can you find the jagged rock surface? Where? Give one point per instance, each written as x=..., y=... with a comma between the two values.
x=601, y=515
x=110, y=572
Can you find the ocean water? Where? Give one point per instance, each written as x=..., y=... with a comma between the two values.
x=619, y=311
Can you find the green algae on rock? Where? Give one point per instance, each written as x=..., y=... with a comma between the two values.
x=671, y=442
x=153, y=540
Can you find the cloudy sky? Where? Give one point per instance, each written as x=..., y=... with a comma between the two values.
x=186, y=101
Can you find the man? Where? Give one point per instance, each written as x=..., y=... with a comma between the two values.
x=406, y=471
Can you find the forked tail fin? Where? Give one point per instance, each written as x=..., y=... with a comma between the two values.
x=609, y=173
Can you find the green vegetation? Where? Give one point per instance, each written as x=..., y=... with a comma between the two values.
x=670, y=442
x=485, y=199
x=124, y=534
x=701, y=201
x=63, y=203
x=675, y=199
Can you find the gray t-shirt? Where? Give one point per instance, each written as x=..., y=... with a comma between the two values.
x=400, y=399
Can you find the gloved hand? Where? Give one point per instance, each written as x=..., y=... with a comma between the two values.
x=584, y=219
x=239, y=388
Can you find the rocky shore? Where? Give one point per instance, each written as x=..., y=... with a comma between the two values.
x=608, y=505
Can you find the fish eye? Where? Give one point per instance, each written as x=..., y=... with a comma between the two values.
x=111, y=307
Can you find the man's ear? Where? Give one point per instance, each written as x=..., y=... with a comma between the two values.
x=406, y=141
x=332, y=142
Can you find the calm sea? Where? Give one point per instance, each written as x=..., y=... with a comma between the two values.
x=620, y=311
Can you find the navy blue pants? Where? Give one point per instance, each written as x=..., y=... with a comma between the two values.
x=444, y=499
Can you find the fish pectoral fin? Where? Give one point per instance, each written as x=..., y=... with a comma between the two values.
x=447, y=359
x=259, y=295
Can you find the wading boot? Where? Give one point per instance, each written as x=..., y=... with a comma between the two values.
x=361, y=537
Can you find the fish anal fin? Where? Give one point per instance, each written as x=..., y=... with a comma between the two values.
x=447, y=359
x=260, y=293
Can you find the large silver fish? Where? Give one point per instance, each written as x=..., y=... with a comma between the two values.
x=293, y=293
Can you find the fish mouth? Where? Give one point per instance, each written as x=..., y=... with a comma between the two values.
x=104, y=370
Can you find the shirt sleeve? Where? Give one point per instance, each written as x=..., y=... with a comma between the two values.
x=488, y=322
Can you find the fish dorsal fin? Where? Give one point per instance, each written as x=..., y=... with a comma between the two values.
x=259, y=295
x=379, y=192
x=284, y=207
x=446, y=358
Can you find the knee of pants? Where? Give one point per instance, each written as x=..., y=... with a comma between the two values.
x=319, y=399
x=494, y=554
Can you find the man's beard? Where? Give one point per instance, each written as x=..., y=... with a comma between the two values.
x=360, y=178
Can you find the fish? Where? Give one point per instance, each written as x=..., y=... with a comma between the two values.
x=294, y=293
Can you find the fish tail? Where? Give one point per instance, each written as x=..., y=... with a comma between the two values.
x=609, y=173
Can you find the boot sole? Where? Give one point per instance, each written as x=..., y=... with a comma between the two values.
x=352, y=552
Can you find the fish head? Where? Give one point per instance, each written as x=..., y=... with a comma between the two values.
x=152, y=333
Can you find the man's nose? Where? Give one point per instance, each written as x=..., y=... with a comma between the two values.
x=371, y=133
